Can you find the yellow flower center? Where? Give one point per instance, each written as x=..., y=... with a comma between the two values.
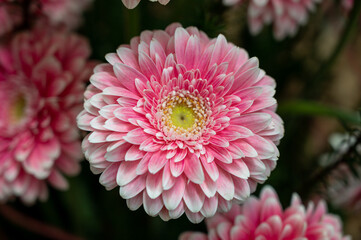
x=18, y=109
x=183, y=116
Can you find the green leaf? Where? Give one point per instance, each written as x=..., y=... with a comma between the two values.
x=309, y=108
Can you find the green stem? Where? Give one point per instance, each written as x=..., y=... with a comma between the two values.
x=313, y=87
x=131, y=23
x=35, y=226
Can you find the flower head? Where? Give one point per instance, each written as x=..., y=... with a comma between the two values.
x=133, y=3
x=42, y=79
x=181, y=123
x=264, y=218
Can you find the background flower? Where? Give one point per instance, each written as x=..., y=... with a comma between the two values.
x=133, y=3
x=55, y=13
x=264, y=218
x=181, y=123
x=42, y=77
x=285, y=15
x=10, y=16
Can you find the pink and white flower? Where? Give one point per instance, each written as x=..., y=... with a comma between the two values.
x=181, y=123
x=264, y=218
x=133, y=3
x=10, y=16
x=55, y=13
x=42, y=79
x=286, y=15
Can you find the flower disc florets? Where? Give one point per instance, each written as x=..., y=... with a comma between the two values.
x=183, y=116
x=181, y=123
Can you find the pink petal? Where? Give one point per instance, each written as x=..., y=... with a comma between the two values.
x=193, y=197
x=154, y=185
x=193, y=168
x=173, y=196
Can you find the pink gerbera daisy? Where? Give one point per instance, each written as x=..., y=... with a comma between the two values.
x=265, y=219
x=42, y=79
x=133, y=3
x=181, y=123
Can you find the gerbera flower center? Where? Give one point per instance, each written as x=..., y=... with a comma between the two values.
x=18, y=108
x=183, y=115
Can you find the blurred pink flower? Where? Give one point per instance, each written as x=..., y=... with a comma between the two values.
x=344, y=188
x=346, y=194
x=286, y=15
x=42, y=79
x=133, y=3
x=181, y=122
x=347, y=4
x=55, y=13
x=10, y=16
x=66, y=13
x=264, y=218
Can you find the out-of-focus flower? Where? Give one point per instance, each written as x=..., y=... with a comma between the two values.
x=42, y=79
x=133, y=3
x=55, y=13
x=10, y=16
x=344, y=188
x=66, y=13
x=181, y=123
x=286, y=15
x=347, y=4
x=264, y=218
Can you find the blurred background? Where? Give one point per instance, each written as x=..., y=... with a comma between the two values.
x=318, y=75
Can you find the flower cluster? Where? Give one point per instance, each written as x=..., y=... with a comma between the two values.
x=264, y=218
x=181, y=123
x=42, y=78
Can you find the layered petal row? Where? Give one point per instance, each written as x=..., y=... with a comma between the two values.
x=264, y=218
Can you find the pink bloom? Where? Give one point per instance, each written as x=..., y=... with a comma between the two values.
x=265, y=219
x=42, y=79
x=286, y=15
x=55, y=13
x=181, y=123
x=63, y=12
x=133, y=3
